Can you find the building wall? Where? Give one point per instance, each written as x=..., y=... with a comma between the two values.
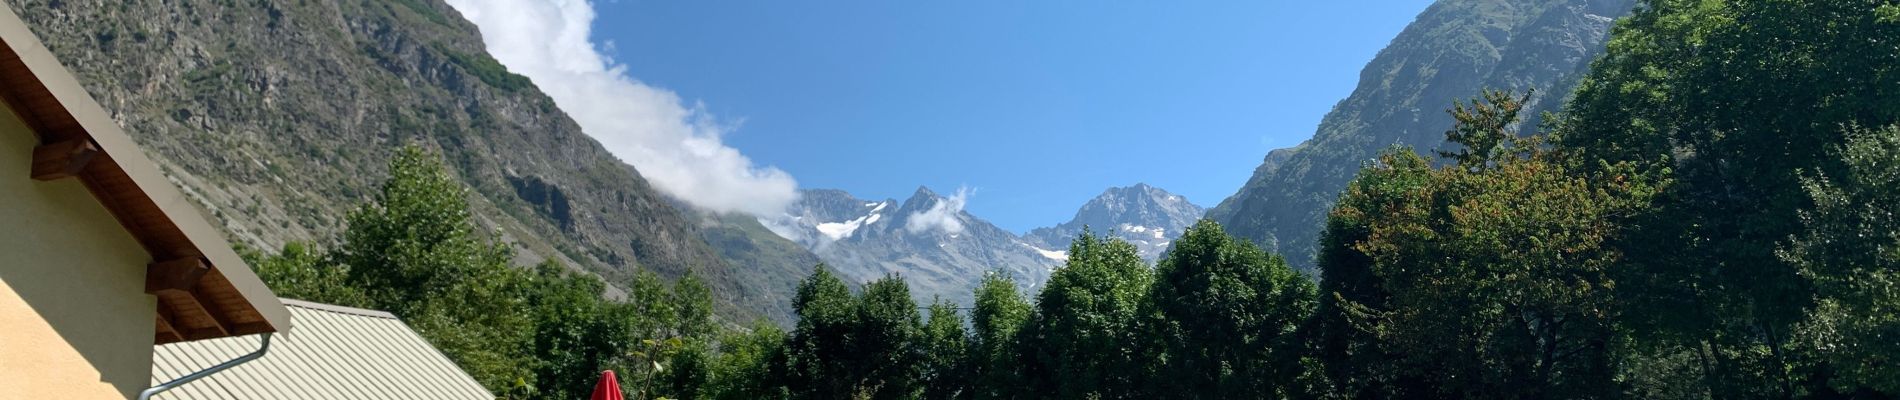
x=75, y=322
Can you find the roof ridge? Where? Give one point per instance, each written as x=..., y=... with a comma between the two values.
x=338, y=309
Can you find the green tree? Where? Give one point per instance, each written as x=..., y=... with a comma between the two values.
x=1344, y=335
x=945, y=347
x=300, y=272
x=819, y=365
x=1483, y=128
x=694, y=306
x=1084, y=338
x=416, y=253
x=1227, y=313
x=999, y=312
x=1850, y=247
x=654, y=308
x=541, y=332
x=748, y=365
x=1735, y=99
x=885, y=346
x=575, y=336
x=688, y=372
x=1488, y=278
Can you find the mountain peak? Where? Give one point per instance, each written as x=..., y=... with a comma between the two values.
x=927, y=237
x=923, y=199
x=1140, y=214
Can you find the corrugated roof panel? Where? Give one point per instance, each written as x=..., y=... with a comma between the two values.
x=390, y=357
x=347, y=377
x=334, y=353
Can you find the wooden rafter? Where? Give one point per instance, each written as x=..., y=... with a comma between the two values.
x=167, y=330
x=221, y=325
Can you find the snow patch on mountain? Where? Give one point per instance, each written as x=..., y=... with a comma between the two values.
x=1062, y=255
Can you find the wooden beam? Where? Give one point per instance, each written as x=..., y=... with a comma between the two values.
x=175, y=275
x=253, y=327
x=167, y=331
x=204, y=333
x=63, y=159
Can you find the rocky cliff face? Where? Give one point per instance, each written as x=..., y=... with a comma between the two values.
x=1142, y=215
x=277, y=116
x=1452, y=51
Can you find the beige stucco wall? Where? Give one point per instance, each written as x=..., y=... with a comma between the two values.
x=75, y=322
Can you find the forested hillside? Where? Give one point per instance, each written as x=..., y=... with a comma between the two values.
x=277, y=116
x=1454, y=49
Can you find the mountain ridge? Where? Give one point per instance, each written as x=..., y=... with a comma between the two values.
x=1454, y=49
x=927, y=238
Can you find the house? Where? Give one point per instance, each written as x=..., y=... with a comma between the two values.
x=336, y=353
x=101, y=257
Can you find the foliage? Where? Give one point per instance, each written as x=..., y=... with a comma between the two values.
x=1082, y=341
x=748, y=365
x=999, y=312
x=541, y=332
x=301, y=272
x=945, y=367
x=1484, y=129
x=489, y=71
x=1226, y=313
x=819, y=355
x=415, y=251
x=1735, y=100
x=1485, y=278
x=1343, y=336
x=886, y=341
x=1850, y=247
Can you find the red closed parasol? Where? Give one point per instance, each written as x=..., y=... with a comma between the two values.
x=608, y=388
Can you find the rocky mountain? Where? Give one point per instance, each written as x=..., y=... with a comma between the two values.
x=1452, y=51
x=278, y=116
x=1146, y=216
x=927, y=239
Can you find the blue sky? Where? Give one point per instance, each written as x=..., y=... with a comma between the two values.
x=1036, y=105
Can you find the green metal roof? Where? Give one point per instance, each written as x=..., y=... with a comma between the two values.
x=335, y=353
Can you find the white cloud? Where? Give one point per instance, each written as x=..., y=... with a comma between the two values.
x=675, y=146
x=942, y=215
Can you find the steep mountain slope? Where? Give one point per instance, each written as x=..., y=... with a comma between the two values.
x=277, y=117
x=1146, y=216
x=928, y=239
x=764, y=267
x=1452, y=51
